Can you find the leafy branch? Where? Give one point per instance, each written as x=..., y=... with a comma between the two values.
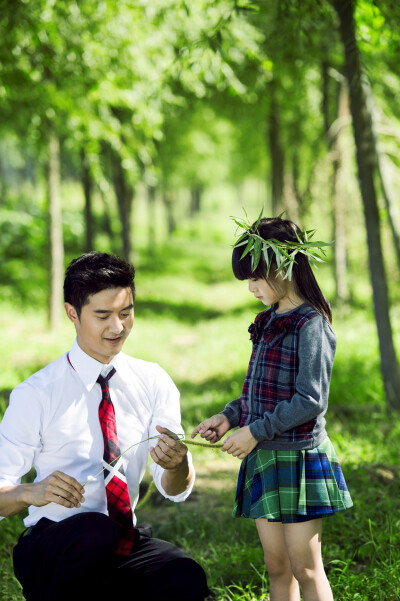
x=285, y=252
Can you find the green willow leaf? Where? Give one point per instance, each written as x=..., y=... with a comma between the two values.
x=248, y=248
x=257, y=253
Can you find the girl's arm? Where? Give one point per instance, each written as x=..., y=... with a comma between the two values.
x=317, y=344
x=233, y=412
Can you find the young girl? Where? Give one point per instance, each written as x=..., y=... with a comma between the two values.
x=290, y=476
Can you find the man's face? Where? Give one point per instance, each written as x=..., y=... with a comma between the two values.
x=105, y=323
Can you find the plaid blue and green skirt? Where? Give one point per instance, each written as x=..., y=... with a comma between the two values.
x=291, y=486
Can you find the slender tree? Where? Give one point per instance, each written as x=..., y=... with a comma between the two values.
x=87, y=184
x=366, y=169
x=56, y=233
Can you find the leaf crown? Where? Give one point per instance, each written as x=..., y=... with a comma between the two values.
x=285, y=252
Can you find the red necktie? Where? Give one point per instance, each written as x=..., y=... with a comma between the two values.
x=118, y=501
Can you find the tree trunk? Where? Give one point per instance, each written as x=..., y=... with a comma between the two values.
x=3, y=179
x=124, y=194
x=334, y=139
x=384, y=178
x=195, y=199
x=276, y=154
x=56, y=234
x=87, y=184
x=339, y=197
x=106, y=220
x=168, y=202
x=151, y=212
x=296, y=189
x=290, y=196
x=366, y=168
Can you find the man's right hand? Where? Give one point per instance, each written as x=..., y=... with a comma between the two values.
x=213, y=428
x=56, y=488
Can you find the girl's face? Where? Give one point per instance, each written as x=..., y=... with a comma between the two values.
x=264, y=292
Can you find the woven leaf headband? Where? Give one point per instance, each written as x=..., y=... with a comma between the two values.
x=285, y=252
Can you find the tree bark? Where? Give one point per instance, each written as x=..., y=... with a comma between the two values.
x=384, y=178
x=107, y=221
x=151, y=212
x=363, y=135
x=168, y=203
x=195, y=199
x=87, y=184
x=276, y=154
x=56, y=234
x=337, y=146
x=124, y=194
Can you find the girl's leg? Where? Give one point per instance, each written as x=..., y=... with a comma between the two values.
x=283, y=585
x=303, y=543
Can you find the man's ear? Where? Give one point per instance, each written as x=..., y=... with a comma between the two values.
x=71, y=313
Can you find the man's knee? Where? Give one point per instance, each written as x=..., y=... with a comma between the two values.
x=185, y=580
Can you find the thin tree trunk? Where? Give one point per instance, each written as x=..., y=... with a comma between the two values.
x=151, y=212
x=195, y=199
x=168, y=202
x=87, y=184
x=296, y=189
x=124, y=194
x=339, y=200
x=3, y=179
x=366, y=168
x=336, y=149
x=56, y=234
x=383, y=178
x=106, y=221
x=291, y=205
x=276, y=154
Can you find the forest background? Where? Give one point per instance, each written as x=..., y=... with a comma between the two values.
x=139, y=128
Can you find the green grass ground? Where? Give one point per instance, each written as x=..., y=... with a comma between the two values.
x=192, y=318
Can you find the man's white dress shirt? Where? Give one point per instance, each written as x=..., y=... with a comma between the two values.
x=52, y=423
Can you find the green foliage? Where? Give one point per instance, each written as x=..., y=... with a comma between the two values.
x=284, y=252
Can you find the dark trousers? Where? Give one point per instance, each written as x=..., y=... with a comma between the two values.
x=75, y=558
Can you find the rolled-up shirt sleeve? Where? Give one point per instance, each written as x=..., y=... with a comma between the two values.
x=316, y=351
x=19, y=435
x=166, y=413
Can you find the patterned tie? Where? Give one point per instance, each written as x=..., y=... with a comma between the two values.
x=118, y=502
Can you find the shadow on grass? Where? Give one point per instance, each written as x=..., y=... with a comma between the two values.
x=173, y=258
x=186, y=312
x=182, y=311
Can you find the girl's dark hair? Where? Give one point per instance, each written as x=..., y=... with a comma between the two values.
x=303, y=278
x=93, y=272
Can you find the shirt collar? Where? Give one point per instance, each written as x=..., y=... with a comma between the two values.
x=87, y=368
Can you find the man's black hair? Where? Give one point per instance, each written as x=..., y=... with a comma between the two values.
x=93, y=272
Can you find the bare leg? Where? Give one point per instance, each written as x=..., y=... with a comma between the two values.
x=283, y=585
x=303, y=543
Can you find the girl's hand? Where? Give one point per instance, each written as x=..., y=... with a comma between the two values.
x=240, y=443
x=213, y=428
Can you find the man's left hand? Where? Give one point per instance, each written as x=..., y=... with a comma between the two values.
x=169, y=452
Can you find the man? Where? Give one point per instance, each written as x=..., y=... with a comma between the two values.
x=72, y=421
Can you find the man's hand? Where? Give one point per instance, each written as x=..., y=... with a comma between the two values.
x=169, y=452
x=213, y=428
x=240, y=443
x=56, y=488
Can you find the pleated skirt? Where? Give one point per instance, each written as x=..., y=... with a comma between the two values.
x=291, y=486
